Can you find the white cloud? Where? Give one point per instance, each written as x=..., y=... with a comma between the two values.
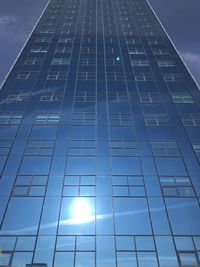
x=192, y=61
x=6, y=19
x=191, y=57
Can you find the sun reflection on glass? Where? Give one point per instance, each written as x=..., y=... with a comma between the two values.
x=81, y=211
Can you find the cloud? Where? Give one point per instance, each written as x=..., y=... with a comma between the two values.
x=6, y=19
x=192, y=60
x=191, y=57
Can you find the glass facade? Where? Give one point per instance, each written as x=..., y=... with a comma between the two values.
x=99, y=143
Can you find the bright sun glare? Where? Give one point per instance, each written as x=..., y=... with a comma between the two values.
x=81, y=210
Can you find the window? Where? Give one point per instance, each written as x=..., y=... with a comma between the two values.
x=5, y=146
x=176, y=187
x=136, y=51
x=177, y=167
x=27, y=215
x=182, y=98
x=66, y=40
x=85, y=118
x=165, y=149
x=86, y=75
x=120, y=118
x=63, y=50
x=129, y=223
x=85, y=96
x=123, y=148
x=188, y=259
x=82, y=148
x=139, y=62
x=40, y=132
x=144, y=77
x=11, y=118
x=166, y=63
x=43, y=40
x=18, y=96
x=40, y=49
x=196, y=147
x=117, y=97
x=42, y=147
x=150, y=97
x=66, y=214
x=190, y=119
x=47, y=31
x=57, y=75
x=88, y=50
x=53, y=96
x=24, y=75
x=148, y=33
x=87, y=62
x=30, y=186
x=153, y=42
x=132, y=41
x=156, y=119
x=126, y=166
x=81, y=165
x=184, y=215
x=29, y=162
x=50, y=118
x=160, y=51
x=33, y=61
x=172, y=77
x=60, y=61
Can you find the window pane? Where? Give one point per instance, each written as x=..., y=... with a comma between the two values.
x=129, y=213
x=27, y=214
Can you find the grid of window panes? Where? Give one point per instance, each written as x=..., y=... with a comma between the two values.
x=99, y=143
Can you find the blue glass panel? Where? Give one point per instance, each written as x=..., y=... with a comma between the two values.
x=125, y=166
x=65, y=243
x=5, y=259
x=44, y=250
x=104, y=186
x=158, y=216
x=144, y=243
x=184, y=216
x=128, y=216
x=85, y=243
x=126, y=259
x=64, y=258
x=20, y=259
x=197, y=242
x=3, y=204
x=81, y=165
x=77, y=216
x=84, y=259
x=26, y=212
x=147, y=259
x=29, y=163
x=166, y=251
x=104, y=215
x=125, y=243
x=7, y=243
x=188, y=259
x=50, y=213
x=105, y=251
x=40, y=132
x=26, y=243
x=176, y=166
x=184, y=243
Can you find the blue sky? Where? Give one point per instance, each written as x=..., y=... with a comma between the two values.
x=180, y=18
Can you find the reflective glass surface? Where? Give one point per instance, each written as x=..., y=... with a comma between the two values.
x=99, y=143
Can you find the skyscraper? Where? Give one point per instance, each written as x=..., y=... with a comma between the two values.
x=99, y=143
